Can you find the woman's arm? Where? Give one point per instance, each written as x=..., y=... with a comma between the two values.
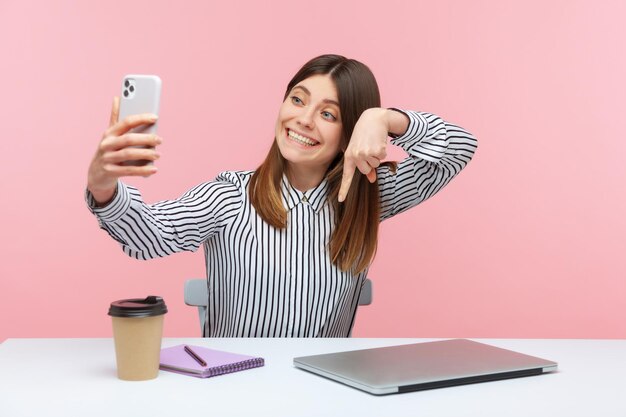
x=150, y=231
x=437, y=151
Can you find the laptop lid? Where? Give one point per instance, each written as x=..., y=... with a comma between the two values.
x=421, y=366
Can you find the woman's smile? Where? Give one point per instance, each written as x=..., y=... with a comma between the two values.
x=301, y=139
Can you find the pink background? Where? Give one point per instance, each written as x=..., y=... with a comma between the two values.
x=525, y=243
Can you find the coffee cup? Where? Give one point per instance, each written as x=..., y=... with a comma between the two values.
x=137, y=332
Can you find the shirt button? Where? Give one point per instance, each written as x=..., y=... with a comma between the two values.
x=306, y=200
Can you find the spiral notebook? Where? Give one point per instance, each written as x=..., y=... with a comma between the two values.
x=218, y=362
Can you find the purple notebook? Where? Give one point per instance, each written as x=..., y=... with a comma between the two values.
x=218, y=362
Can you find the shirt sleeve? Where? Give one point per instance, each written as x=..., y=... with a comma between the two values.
x=150, y=231
x=437, y=151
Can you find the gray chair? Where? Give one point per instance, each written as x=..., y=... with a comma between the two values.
x=197, y=295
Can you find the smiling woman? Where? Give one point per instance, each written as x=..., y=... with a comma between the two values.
x=315, y=123
x=288, y=246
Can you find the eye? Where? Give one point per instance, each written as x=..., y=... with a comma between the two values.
x=296, y=100
x=328, y=116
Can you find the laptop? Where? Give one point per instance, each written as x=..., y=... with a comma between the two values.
x=421, y=366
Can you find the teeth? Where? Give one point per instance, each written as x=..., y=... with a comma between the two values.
x=302, y=139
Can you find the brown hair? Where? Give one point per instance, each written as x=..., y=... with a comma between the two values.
x=355, y=235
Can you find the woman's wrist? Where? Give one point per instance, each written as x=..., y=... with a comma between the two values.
x=397, y=122
x=103, y=198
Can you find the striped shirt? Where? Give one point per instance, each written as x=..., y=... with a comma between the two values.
x=268, y=282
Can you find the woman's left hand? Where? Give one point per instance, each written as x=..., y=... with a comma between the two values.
x=367, y=147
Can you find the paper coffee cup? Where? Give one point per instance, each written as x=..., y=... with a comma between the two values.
x=137, y=332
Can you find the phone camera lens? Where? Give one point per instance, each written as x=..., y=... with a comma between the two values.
x=125, y=93
x=132, y=89
x=126, y=83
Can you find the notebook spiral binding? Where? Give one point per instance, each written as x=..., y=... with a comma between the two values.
x=239, y=366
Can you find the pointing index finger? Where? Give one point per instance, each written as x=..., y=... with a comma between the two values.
x=346, y=180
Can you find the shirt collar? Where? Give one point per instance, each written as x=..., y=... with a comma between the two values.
x=316, y=197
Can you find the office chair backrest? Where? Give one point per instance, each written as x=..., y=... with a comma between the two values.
x=197, y=295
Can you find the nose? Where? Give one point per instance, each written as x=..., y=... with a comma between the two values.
x=306, y=118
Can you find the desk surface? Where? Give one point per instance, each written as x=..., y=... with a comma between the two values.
x=76, y=377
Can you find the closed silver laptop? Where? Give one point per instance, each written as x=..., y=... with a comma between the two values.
x=420, y=366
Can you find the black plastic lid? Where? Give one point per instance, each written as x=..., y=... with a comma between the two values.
x=138, y=307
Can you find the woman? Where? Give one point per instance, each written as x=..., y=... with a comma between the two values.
x=287, y=246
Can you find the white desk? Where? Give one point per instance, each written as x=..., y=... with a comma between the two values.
x=76, y=377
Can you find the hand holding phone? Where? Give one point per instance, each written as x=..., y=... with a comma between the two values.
x=128, y=146
x=141, y=94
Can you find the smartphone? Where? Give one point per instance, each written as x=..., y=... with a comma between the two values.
x=140, y=94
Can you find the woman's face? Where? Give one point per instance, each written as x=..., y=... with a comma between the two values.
x=308, y=128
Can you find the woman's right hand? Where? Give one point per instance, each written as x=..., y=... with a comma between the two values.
x=116, y=147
